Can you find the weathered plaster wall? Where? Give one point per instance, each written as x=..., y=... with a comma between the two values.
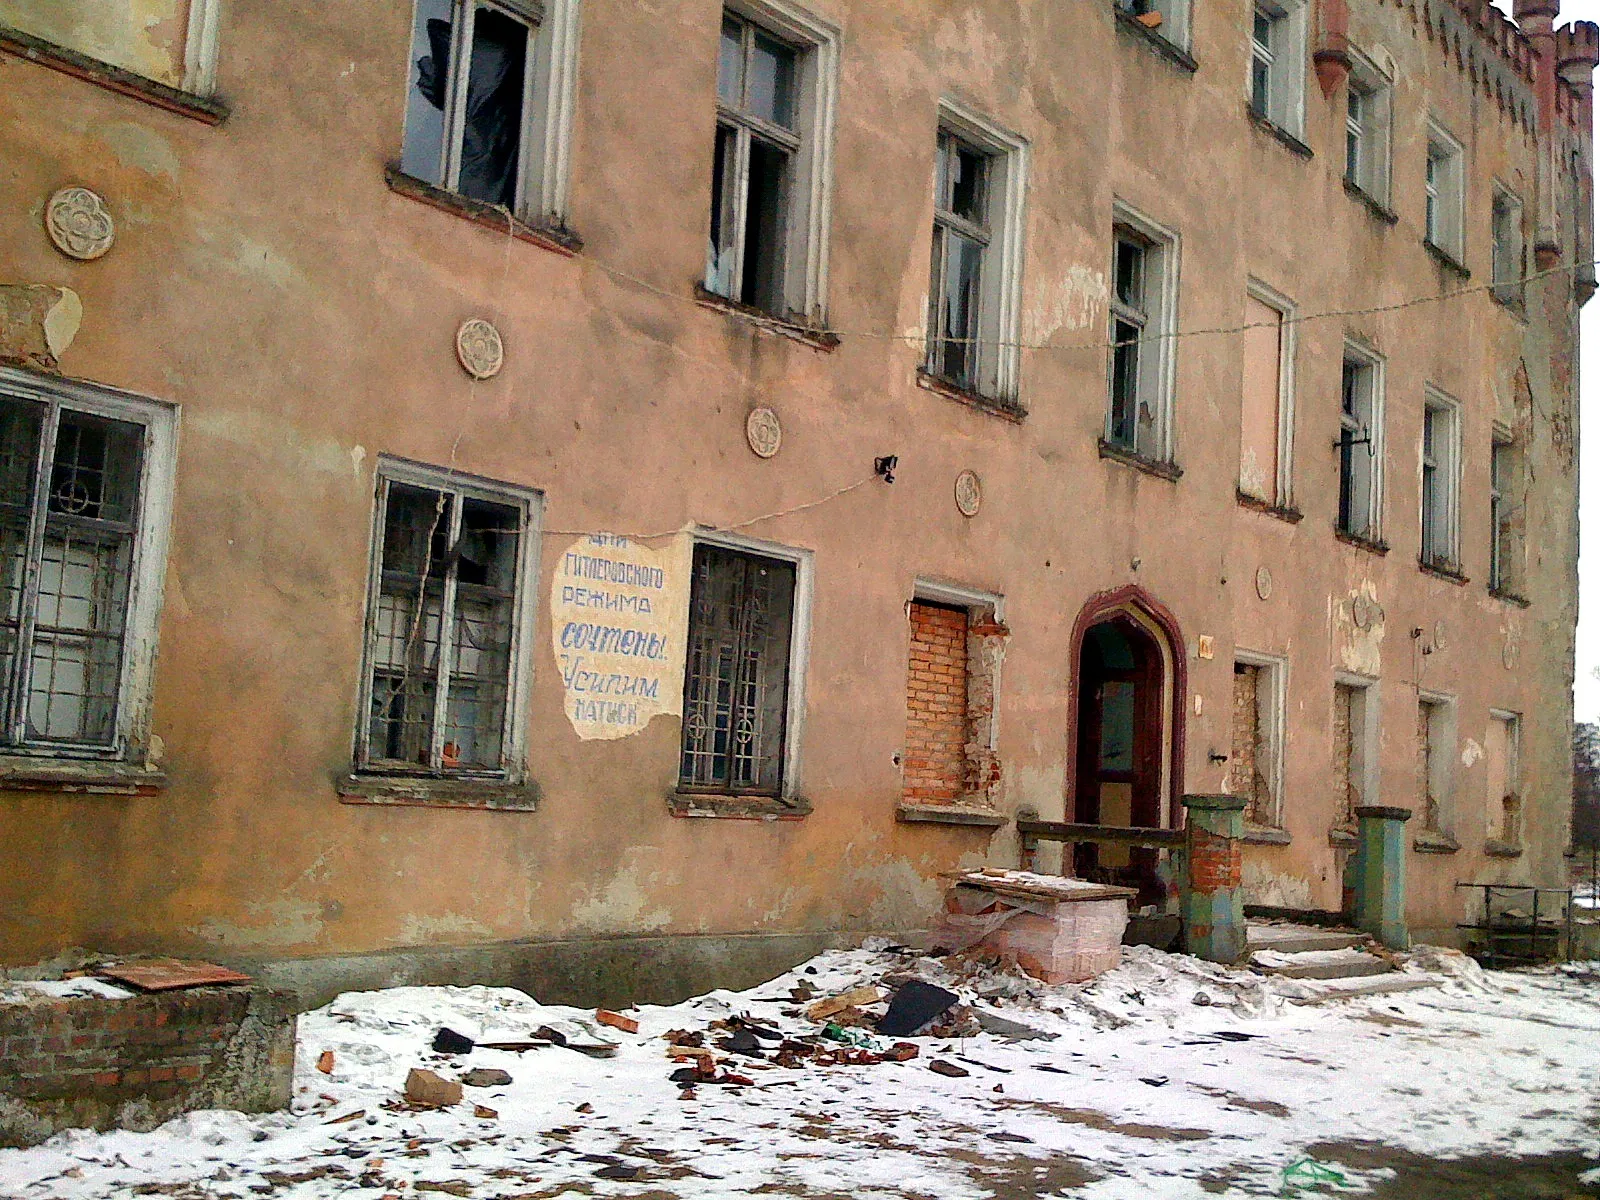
x=302, y=315
x=144, y=36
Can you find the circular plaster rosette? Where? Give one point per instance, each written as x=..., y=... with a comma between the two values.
x=764, y=432
x=1263, y=582
x=79, y=224
x=479, y=349
x=969, y=493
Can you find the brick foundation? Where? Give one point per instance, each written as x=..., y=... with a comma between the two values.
x=88, y=1061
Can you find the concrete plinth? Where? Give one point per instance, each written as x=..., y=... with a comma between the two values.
x=1210, y=891
x=1378, y=872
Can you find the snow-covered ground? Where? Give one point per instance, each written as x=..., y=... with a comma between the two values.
x=1166, y=1078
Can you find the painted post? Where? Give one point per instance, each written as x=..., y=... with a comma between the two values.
x=1210, y=891
x=1379, y=869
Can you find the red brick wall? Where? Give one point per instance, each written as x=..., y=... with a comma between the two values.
x=934, y=766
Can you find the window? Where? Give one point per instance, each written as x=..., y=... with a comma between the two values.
x=1366, y=131
x=1435, y=735
x=741, y=685
x=1266, y=440
x=1277, y=63
x=1441, y=456
x=1443, y=187
x=449, y=612
x=490, y=94
x=1254, y=767
x=974, y=287
x=1506, y=247
x=1502, y=755
x=1360, y=444
x=1167, y=19
x=85, y=495
x=1505, y=514
x=1143, y=308
x=1355, y=740
x=769, y=169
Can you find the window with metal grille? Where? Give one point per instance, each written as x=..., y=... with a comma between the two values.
x=70, y=504
x=444, y=624
x=736, y=682
x=961, y=240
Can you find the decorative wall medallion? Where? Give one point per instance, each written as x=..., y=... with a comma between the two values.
x=1263, y=582
x=764, y=432
x=969, y=493
x=1441, y=635
x=78, y=223
x=479, y=348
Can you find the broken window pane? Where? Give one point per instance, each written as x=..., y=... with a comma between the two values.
x=423, y=152
x=1124, y=383
x=963, y=271
x=486, y=558
x=410, y=607
x=763, y=233
x=736, y=684
x=491, y=131
x=967, y=190
x=720, y=252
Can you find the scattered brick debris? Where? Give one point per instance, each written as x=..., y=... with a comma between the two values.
x=616, y=1020
x=585, y=1107
x=484, y=1113
x=483, y=1077
x=939, y=1067
x=325, y=1062
x=347, y=1118
x=426, y=1089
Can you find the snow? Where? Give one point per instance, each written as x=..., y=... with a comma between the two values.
x=1167, y=1077
x=61, y=988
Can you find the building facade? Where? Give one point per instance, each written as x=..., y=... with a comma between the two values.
x=635, y=488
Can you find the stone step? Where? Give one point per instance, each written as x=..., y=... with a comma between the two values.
x=1347, y=962
x=1293, y=939
x=1383, y=985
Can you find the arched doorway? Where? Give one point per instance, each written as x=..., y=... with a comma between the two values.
x=1125, y=743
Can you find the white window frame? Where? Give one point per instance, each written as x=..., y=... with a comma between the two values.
x=200, y=47
x=521, y=652
x=807, y=216
x=1506, y=245
x=1444, y=188
x=1441, y=780
x=1373, y=130
x=1174, y=26
x=147, y=572
x=799, y=646
x=1505, y=560
x=1272, y=692
x=1285, y=58
x=1000, y=284
x=1287, y=325
x=1373, y=362
x=1157, y=345
x=549, y=96
x=1446, y=465
x=1365, y=740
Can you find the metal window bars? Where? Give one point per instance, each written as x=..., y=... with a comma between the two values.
x=67, y=536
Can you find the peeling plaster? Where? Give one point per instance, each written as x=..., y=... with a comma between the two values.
x=1074, y=303
x=419, y=930
x=1265, y=886
x=61, y=322
x=141, y=149
x=1357, y=650
x=623, y=901
x=1471, y=754
x=273, y=924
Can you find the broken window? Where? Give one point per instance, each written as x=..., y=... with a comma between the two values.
x=444, y=624
x=1359, y=446
x=1138, y=416
x=1433, y=761
x=736, y=683
x=1505, y=514
x=1506, y=247
x=1266, y=436
x=1443, y=188
x=1439, y=457
x=470, y=117
x=961, y=238
x=72, y=510
x=1277, y=68
x=1253, y=763
x=1366, y=137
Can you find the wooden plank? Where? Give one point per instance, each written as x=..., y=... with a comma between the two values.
x=166, y=974
x=1060, y=891
x=1117, y=835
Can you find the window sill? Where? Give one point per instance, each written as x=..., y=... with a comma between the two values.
x=1281, y=511
x=1281, y=135
x=1511, y=301
x=819, y=339
x=1432, y=841
x=949, y=814
x=206, y=110
x=1174, y=54
x=1265, y=835
x=428, y=791
x=23, y=773
x=1169, y=471
x=737, y=808
x=1446, y=259
x=1510, y=597
x=1445, y=571
x=1498, y=849
x=1361, y=543
x=551, y=237
x=1371, y=203
x=1008, y=410
x=1343, y=836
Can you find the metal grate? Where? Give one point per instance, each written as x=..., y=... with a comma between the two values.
x=737, y=681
